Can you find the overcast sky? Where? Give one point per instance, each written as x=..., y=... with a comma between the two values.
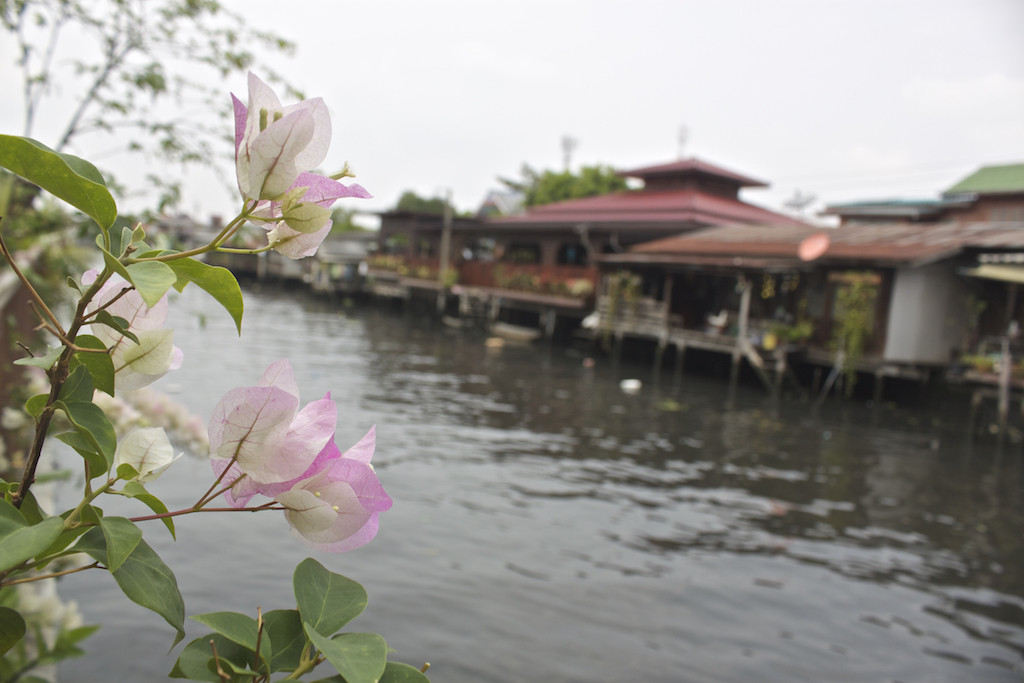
x=841, y=99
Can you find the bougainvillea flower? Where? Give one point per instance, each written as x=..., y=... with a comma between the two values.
x=263, y=432
x=148, y=450
x=135, y=365
x=345, y=513
x=299, y=222
x=277, y=143
x=338, y=508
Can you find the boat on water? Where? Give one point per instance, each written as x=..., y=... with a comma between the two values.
x=515, y=332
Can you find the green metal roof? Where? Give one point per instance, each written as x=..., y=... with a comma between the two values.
x=992, y=180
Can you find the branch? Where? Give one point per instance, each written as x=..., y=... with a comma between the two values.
x=35, y=87
x=53, y=575
x=188, y=511
x=28, y=285
x=114, y=60
x=58, y=375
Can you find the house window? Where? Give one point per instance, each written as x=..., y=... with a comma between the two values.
x=572, y=255
x=522, y=253
x=396, y=243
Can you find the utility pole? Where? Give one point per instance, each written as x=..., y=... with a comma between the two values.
x=446, y=247
x=569, y=144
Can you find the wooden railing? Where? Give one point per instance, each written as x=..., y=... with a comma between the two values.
x=574, y=281
x=578, y=282
x=644, y=316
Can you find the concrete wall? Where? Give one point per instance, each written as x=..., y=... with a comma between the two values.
x=927, y=315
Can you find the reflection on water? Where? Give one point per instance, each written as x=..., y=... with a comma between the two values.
x=548, y=526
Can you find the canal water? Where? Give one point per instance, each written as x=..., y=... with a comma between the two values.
x=550, y=527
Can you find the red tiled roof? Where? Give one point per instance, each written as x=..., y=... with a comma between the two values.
x=895, y=244
x=692, y=166
x=684, y=207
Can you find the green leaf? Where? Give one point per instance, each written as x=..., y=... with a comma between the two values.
x=67, y=642
x=90, y=516
x=326, y=601
x=86, y=446
x=90, y=420
x=77, y=387
x=306, y=217
x=119, y=324
x=12, y=628
x=72, y=284
x=134, y=489
x=122, y=536
x=126, y=472
x=284, y=626
x=30, y=509
x=111, y=262
x=396, y=672
x=143, y=578
x=238, y=628
x=34, y=406
x=358, y=657
x=44, y=362
x=10, y=518
x=65, y=539
x=27, y=542
x=152, y=279
x=74, y=180
x=196, y=661
x=218, y=282
x=125, y=241
x=99, y=365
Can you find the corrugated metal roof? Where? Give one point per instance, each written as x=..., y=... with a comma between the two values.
x=992, y=180
x=895, y=244
x=891, y=208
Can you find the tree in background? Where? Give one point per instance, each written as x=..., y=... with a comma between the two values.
x=547, y=187
x=344, y=221
x=129, y=68
x=413, y=203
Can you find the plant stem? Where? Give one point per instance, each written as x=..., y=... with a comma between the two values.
x=58, y=375
x=307, y=662
x=188, y=511
x=31, y=290
x=226, y=233
x=94, y=565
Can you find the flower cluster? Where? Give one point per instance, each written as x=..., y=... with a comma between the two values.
x=276, y=148
x=135, y=364
x=262, y=443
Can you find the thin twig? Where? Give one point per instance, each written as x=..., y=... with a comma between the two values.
x=188, y=511
x=259, y=638
x=28, y=285
x=94, y=565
